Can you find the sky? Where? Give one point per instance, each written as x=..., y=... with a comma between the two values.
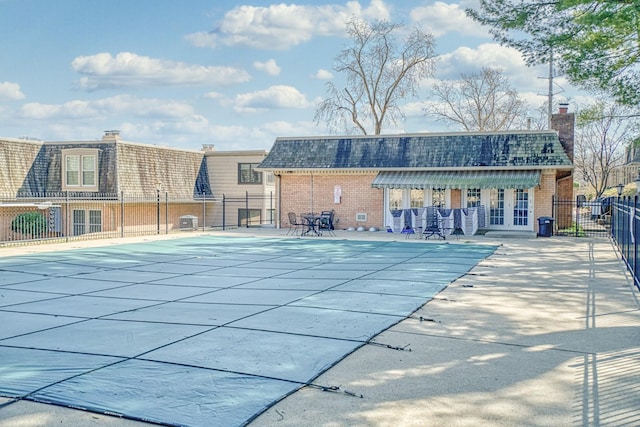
x=234, y=74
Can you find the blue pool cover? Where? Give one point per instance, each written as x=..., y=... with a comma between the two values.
x=206, y=330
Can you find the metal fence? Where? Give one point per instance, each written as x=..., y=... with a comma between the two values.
x=577, y=218
x=625, y=231
x=60, y=216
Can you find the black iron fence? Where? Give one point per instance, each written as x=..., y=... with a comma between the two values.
x=579, y=218
x=60, y=216
x=625, y=231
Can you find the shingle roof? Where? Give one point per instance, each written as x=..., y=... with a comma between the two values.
x=180, y=173
x=30, y=168
x=520, y=150
x=16, y=160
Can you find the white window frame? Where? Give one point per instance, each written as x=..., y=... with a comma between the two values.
x=87, y=164
x=86, y=221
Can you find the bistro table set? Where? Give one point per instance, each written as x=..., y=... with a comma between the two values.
x=313, y=223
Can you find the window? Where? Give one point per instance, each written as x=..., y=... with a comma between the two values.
x=521, y=207
x=473, y=197
x=496, y=207
x=248, y=175
x=417, y=198
x=249, y=217
x=80, y=167
x=269, y=177
x=80, y=224
x=439, y=197
x=395, y=199
x=95, y=221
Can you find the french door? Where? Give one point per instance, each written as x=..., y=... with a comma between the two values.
x=510, y=209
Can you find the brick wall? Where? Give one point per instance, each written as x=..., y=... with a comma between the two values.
x=544, y=196
x=305, y=193
x=564, y=217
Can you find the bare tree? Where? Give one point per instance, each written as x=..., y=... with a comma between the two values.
x=379, y=71
x=603, y=131
x=482, y=101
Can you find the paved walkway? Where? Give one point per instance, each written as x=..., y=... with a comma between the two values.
x=545, y=332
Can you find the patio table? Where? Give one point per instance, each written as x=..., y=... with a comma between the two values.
x=312, y=222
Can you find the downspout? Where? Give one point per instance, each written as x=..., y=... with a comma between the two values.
x=279, y=192
x=311, y=211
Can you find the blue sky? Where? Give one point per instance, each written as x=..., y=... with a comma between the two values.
x=236, y=74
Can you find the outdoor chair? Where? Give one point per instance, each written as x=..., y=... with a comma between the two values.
x=294, y=224
x=433, y=226
x=326, y=222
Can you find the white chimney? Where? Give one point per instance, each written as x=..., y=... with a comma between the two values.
x=111, y=135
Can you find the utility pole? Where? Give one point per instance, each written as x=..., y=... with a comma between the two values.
x=550, y=95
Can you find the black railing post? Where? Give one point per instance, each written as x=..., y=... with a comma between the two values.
x=122, y=214
x=636, y=234
x=158, y=210
x=68, y=225
x=166, y=212
x=246, y=206
x=577, y=218
x=224, y=211
x=204, y=211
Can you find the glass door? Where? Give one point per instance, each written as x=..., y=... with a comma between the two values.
x=510, y=209
x=496, y=207
x=521, y=208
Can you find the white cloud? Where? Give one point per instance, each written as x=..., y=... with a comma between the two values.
x=441, y=18
x=214, y=95
x=127, y=69
x=280, y=26
x=471, y=60
x=107, y=107
x=10, y=91
x=323, y=75
x=283, y=128
x=280, y=96
x=270, y=67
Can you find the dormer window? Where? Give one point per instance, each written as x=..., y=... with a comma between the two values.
x=80, y=168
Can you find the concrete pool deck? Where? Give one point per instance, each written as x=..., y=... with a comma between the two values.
x=543, y=332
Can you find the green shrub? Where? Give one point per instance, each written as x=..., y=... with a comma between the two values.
x=33, y=223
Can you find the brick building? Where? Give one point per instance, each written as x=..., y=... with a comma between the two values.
x=510, y=178
x=108, y=178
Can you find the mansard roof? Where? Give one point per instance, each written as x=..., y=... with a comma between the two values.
x=428, y=151
x=35, y=167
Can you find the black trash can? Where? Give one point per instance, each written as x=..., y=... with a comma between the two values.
x=545, y=226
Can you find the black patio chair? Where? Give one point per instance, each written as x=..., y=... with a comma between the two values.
x=326, y=222
x=294, y=224
x=433, y=226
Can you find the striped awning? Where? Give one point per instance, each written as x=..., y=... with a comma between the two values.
x=457, y=179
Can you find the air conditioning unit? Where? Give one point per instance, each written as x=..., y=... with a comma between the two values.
x=188, y=222
x=361, y=217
